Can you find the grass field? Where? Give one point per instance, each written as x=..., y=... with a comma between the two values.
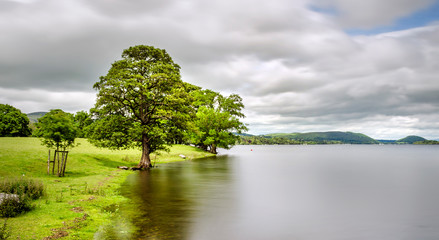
x=81, y=204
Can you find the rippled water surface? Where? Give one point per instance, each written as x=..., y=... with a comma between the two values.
x=292, y=192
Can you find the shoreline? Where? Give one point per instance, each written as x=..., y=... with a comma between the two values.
x=88, y=198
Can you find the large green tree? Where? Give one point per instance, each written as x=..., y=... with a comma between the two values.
x=13, y=123
x=217, y=120
x=140, y=103
x=57, y=129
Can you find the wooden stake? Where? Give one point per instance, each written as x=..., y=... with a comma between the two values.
x=61, y=164
x=65, y=163
x=57, y=158
x=48, y=163
x=53, y=165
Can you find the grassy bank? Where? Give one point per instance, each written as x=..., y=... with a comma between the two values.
x=86, y=199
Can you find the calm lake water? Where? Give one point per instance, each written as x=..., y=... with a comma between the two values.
x=293, y=192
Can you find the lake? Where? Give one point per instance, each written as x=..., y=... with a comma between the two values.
x=304, y=192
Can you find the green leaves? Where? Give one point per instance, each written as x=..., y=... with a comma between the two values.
x=13, y=123
x=217, y=120
x=140, y=102
x=57, y=129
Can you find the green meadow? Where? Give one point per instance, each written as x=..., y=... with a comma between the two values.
x=87, y=200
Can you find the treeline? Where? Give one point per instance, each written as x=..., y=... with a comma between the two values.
x=427, y=142
x=265, y=140
x=15, y=123
x=214, y=119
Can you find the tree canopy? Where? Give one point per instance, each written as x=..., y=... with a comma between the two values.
x=57, y=129
x=140, y=102
x=13, y=123
x=82, y=121
x=217, y=120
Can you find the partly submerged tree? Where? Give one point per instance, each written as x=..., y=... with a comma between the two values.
x=57, y=129
x=140, y=102
x=217, y=120
x=13, y=123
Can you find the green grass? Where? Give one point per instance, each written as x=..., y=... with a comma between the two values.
x=83, y=201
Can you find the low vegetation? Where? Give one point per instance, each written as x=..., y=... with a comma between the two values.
x=83, y=202
x=16, y=195
x=427, y=142
x=4, y=230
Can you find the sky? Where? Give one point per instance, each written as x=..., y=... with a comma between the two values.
x=299, y=65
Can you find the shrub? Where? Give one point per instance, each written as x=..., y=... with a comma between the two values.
x=13, y=206
x=23, y=187
x=16, y=195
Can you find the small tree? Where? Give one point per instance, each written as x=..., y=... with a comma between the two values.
x=57, y=130
x=13, y=123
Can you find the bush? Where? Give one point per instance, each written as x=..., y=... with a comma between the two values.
x=23, y=187
x=16, y=195
x=13, y=206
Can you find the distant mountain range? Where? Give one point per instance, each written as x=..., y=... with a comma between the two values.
x=33, y=117
x=325, y=138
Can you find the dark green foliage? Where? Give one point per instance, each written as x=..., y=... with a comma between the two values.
x=4, y=231
x=57, y=129
x=140, y=103
x=22, y=186
x=13, y=123
x=410, y=140
x=12, y=207
x=82, y=121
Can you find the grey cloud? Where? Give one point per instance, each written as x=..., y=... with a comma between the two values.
x=295, y=68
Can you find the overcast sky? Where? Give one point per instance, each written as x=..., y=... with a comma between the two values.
x=300, y=65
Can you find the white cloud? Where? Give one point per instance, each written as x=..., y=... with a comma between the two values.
x=34, y=100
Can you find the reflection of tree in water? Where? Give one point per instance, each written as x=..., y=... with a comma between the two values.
x=167, y=198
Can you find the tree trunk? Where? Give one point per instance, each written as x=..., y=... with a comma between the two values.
x=213, y=149
x=145, y=161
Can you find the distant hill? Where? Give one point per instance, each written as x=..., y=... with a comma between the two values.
x=33, y=117
x=321, y=137
x=410, y=140
x=243, y=134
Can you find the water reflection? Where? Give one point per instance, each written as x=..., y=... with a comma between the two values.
x=170, y=196
x=292, y=192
